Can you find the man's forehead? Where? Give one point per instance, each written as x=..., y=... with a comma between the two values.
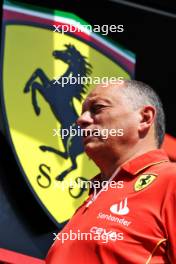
x=95, y=98
x=106, y=93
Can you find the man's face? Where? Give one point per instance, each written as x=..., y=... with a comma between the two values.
x=108, y=108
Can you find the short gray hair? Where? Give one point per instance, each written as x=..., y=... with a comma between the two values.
x=141, y=94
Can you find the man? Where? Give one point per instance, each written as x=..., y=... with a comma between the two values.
x=134, y=223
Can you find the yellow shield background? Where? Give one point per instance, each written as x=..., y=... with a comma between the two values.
x=32, y=49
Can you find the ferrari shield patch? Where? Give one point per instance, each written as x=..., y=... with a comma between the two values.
x=144, y=181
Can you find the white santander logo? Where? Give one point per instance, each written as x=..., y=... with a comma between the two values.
x=121, y=209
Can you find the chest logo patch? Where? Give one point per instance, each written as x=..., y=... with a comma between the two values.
x=143, y=181
x=121, y=208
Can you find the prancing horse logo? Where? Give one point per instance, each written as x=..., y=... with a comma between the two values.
x=143, y=181
x=60, y=99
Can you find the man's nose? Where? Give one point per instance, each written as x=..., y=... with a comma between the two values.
x=85, y=119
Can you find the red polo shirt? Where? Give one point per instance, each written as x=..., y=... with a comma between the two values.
x=133, y=222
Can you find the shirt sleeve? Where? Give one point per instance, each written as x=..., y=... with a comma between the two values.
x=169, y=216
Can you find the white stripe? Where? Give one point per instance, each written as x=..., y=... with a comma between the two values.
x=70, y=21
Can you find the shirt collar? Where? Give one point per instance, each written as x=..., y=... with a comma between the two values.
x=140, y=163
x=145, y=161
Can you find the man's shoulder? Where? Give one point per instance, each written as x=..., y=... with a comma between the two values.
x=167, y=167
x=167, y=171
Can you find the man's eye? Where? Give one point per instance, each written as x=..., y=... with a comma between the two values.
x=95, y=108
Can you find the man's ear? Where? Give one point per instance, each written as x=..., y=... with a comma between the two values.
x=147, y=116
